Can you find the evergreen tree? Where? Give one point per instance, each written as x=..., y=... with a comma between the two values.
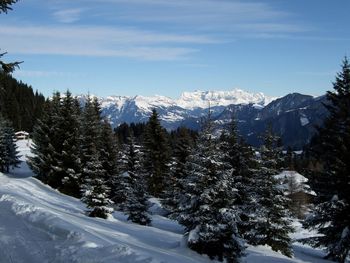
x=272, y=226
x=175, y=186
x=156, y=155
x=8, y=149
x=95, y=192
x=108, y=153
x=133, y=185
x=207, y=208
x=47, y=144
x=69, y=159
x=242, y=161
x=331, y=216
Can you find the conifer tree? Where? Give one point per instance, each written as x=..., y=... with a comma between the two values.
x=132, y=185
x=331, y=215
x=156, y=155
x=272, y=226
x=207, y=209
x=47, y=144
x=8, y=149
x=175, y=186
x=95, y=192
x=69, y=159
x=241, y=159
x=108, y=153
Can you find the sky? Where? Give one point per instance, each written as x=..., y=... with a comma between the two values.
x=166, y=47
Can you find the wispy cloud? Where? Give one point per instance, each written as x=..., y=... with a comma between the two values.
x=43, y=73
x=68, y=15
x=99, y=41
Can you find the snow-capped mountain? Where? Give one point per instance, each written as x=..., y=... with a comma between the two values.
x=293, y=116
x=172, y=112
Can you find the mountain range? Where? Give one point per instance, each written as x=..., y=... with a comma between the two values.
x=293, y=117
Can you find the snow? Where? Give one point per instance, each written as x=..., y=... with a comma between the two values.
x=39, y=224
x=304, y=121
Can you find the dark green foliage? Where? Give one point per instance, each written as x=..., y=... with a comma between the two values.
x=207, y=205
x=69, y=158
x=95, y=191
x=5, y=5
x=241, y=159
x=272, y=226
x=19, y=104
x=331, y=147
x=8, y=149
x=156, y=155
x=132, y=185
x=108, y=153
x=182, y=147
x=48, y=144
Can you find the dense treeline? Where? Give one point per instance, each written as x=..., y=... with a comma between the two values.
x=19, y=103
x=217, y=187
x=223, y=191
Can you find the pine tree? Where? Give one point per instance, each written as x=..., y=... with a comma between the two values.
x=95, y=192
x=8, y=149
x=156, y=155
x=175, y=186
x=108, y=153
x=133, y=185
x=331, y=215
x=241, y=159
x=47, y=144
x=207, y=209
x=272, y=226
x=69, y=159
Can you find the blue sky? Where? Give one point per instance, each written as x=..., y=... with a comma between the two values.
x=165, y=47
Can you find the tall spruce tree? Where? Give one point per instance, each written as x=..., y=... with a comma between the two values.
x=47, y=144
x=241, y=159
x=95, y=192
x=132, y=184
x=207, y=207
x=8, y=149
x=156, y=155
x=331, y=216
x=69, y=159
x=175, y=185
x=272, y=226
x=108, y=153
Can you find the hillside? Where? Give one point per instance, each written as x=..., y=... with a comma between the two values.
x=39, y=224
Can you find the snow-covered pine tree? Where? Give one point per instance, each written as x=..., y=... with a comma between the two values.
x=108, y=153
x=241, y=159
x=207, y=209
x=331, y=216
x=95, y=192
x=47, y=143
x=69, y=159
x=132, y=185
x=175, y=185
x=8, y=149
x=156, y=155
x=272, y=226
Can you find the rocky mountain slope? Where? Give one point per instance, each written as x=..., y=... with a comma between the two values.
x=293, y=116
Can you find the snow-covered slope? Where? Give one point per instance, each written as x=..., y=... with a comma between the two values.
x=39, y=224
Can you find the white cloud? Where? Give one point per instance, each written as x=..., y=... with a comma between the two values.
x=68, y=15
x=98, y=41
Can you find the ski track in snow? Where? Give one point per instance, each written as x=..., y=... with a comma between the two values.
x=39, y=224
